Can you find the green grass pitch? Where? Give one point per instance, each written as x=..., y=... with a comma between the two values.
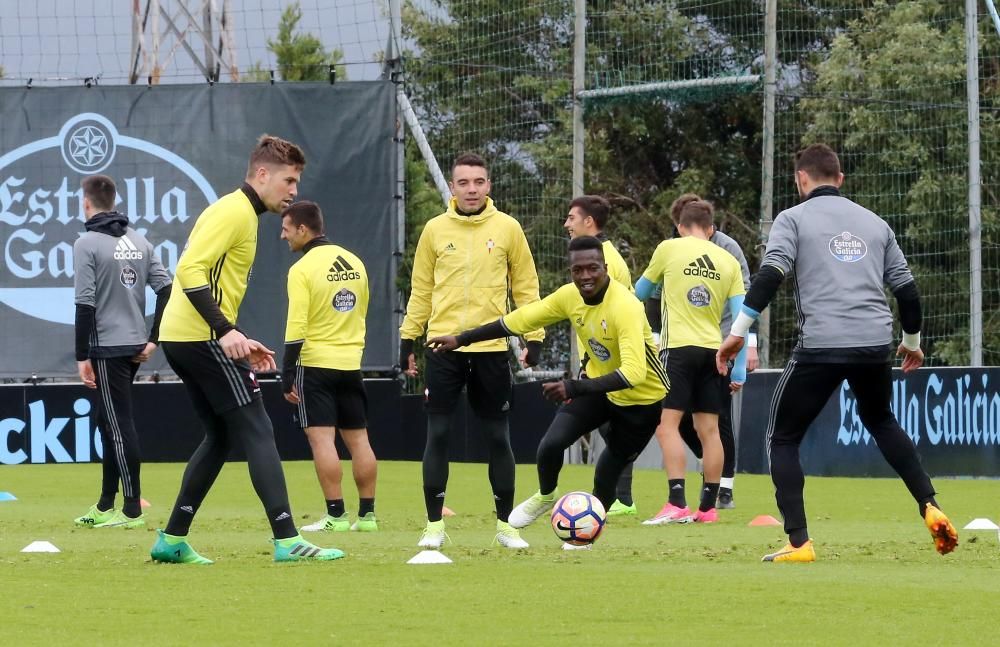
x=877, y=581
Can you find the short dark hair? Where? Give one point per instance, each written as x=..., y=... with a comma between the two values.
x=305, y=213
x=470, y=159
x=275, y=151
x=679, y=204
x=594, y=206
x=100, y=190
x=819, y=162
x=583, y=243
x=697, y=213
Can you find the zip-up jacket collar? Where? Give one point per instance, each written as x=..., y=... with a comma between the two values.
x=318, y=241
x=111, y=223
x=825, y=190
x=488, y=210
x=258, y=204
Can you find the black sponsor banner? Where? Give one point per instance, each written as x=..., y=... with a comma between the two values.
x=58, y=423
x=172, y=151
x=951, y=414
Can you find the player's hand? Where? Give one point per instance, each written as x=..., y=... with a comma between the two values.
x=727, y=351
x=293, y=395
x=734, y=387
x=86, y=371
x=235, y=345
x=554, y=391
x=443, y=343
x=146, y=353
x=753, y=361
x=912, y=359
x=411, y=366
x=261, y=357
x=523, y=358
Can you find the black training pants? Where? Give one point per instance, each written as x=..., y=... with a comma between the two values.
x=802, y=391
x=121, y=461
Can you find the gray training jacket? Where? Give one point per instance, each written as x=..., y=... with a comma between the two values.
x=839, y=256
x=111, y=274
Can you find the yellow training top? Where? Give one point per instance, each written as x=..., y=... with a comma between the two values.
x=698, y=278
x=617, y=267
x=462, y=270
x=219, y=253
x=616, y=334
x=327, y=305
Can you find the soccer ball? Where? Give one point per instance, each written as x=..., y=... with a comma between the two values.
x=578, y=518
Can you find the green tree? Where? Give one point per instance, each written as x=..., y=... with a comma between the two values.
x=300, y=56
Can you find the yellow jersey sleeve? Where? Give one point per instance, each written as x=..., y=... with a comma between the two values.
x=217, y=234
x=737, y=288
x=418, y=308
x=298, y=305
x=535, y=316
x=524, y=279
x=617, y=267
x=657, y=264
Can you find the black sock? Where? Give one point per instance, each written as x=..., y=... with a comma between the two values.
x=725, y=491
x=106, y=502
x=434, y=500
x=624, y=489
x=709, y=493
x=504, y=503
x=924, y=502
x=132, y=508
x=282, y=524
x=798, y=537
x=675, y=493
x=365, y=506
x=335, y=507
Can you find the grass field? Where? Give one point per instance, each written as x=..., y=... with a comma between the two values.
x=877, y=581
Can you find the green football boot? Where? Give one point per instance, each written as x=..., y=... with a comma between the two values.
x=294, y=549
x=120, y=520
x=175, y=550
x=367, y=523
x=619, y=509
x=330, y=524
x=93, y=517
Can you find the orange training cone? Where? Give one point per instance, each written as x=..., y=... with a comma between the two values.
x=764, y=520
x=145, y=504
x=447, y=512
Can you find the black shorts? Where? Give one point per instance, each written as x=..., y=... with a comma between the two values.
x=215, y=383
x=695, y=384
x=331, y=398
x=485, y=376
x=629, y=428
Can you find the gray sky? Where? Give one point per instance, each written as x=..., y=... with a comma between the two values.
x=59, y=42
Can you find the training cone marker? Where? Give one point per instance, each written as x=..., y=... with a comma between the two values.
x=143, y=503
x=981, y=524
x=764, y=520
x=447, y=512
x=7, y=496
x=40, y=547
x=429, y=557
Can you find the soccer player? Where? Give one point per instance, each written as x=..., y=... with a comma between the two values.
x=625, y=385
x=699, y=279
x=658, y=316
x=840, y=256
x=321, y=371
x=218, y=363
x=112, y=266
x=466, y=260
x=588, y=215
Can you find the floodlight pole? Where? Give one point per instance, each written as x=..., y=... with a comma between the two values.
x=194, y=20
x=975, y=185
x=767, y=163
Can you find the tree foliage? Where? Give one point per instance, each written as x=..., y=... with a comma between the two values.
x=300, y=55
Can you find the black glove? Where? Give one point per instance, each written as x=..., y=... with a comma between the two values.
x=534, y=353
x=405, y=350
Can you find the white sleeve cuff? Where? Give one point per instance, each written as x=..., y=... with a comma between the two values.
x=911, y=341
x=742, y=325
x=752, y=340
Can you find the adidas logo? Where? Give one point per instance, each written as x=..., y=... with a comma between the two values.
x=126, y=250
x=188, y=509
x=449, y=248
x=702, y=266
x=677, y=487
x=439, y=495
x=341, y=270
x=282, y=516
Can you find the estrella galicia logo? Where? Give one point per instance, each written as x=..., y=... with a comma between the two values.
x=344, y=301
x=699, y=296
x=128, y=277
x=848, y=248
x=600, y=351
x=41, y=208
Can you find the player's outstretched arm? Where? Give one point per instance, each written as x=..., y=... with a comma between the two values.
x=911, y=318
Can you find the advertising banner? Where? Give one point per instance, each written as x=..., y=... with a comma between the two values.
x=173, y=150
